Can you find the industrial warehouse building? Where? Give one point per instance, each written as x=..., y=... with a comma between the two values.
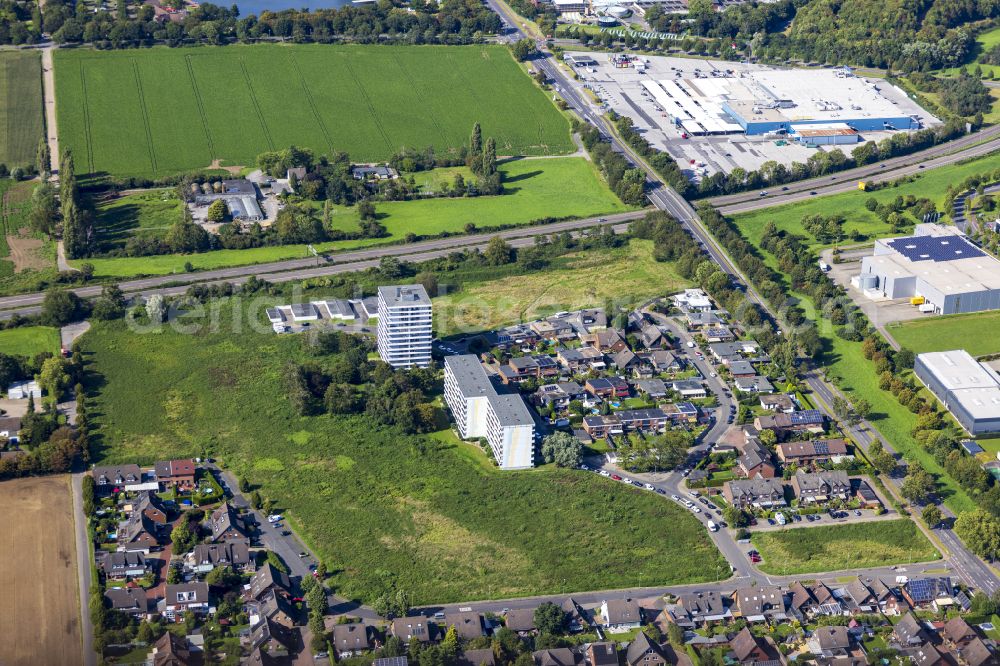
x=968, y=389
x=819, y=107
x=937, y=264
x=480, y=411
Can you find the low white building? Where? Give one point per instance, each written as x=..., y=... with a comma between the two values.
x=479, y=411
x=21, y=390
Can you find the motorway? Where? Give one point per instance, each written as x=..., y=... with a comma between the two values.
x=300, y=269
x=971, y=145
x=835, y=185
x=972, y=570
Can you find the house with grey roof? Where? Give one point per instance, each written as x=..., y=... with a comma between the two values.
x=131, y=600
x=184, y=598
x=618, y=615
x=520, y=620
x=234, y=553
x=226, y=524
x=125, y=564
x=753, y=384
x=107, y=477
x=822, y=486
x=758, y=493
x=701, y=607
x=265, y=579
x=351, y=639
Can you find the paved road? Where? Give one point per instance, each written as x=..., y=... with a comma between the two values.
x=969, y=567
x=973, y=570
x=774, y=199
x=49, y=94
x=83, y=565
x=296, y=269
x=289, y=546
x=303, y=274
x=959, y=149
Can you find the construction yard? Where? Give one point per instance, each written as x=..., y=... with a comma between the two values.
x=39, y=609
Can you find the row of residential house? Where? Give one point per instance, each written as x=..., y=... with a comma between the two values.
x=162, y=476
x=809, y=488
x=268, y=597
x=839, y=642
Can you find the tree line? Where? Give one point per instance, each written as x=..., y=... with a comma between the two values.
x=134, y=24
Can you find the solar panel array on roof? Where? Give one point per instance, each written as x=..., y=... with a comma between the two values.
x=971, y=447
x=821, y=448
x=935, y=248
x=806, y=416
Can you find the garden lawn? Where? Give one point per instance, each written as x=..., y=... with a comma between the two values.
x=29, y=340
x=381, y=508
x=161, y=111
x=931, y=184
x=624, y=276
x=837, y=547
x=563, y=187
x=975, y=332
x=20, y=107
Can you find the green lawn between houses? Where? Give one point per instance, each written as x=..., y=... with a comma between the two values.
x=836, y=547
x=161, y=111
x=562, y=187
x=29, y=341
x=424, y=513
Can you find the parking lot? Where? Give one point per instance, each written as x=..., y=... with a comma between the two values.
x=621, y=90
x=880, y=311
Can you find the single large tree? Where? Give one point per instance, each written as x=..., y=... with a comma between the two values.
x=563, y=449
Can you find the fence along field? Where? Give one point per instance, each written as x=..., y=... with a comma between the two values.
x=39, y=607
x=162, y=111
x=20, y=107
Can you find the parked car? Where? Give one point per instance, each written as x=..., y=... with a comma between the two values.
x=584, y=467
x=857, y=512
x=604, y=472
x=649, y=486
x=274, y=517
x=711, y=506
x=660, y=491
x=626, y=479
x=694, y=493
x=616, y=477
x=675, y=497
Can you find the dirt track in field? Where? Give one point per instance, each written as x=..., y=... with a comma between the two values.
x=39, y=607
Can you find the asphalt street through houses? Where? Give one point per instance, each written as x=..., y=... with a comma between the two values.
x=972, y=570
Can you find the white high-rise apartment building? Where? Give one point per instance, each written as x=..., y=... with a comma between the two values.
x=479, y=411
x=404, y=326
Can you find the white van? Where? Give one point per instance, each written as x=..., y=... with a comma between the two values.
x=690, y=344
x=712, y=527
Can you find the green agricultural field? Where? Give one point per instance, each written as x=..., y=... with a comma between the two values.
x=20, y=107
x=144, y=214
x=806, y=550
x=29, y=340
x=162, y=111
x=587, y=279
x=379, y=507
x=976, y=332
x=563, y=187
x=931, y=184
x=25, y=260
